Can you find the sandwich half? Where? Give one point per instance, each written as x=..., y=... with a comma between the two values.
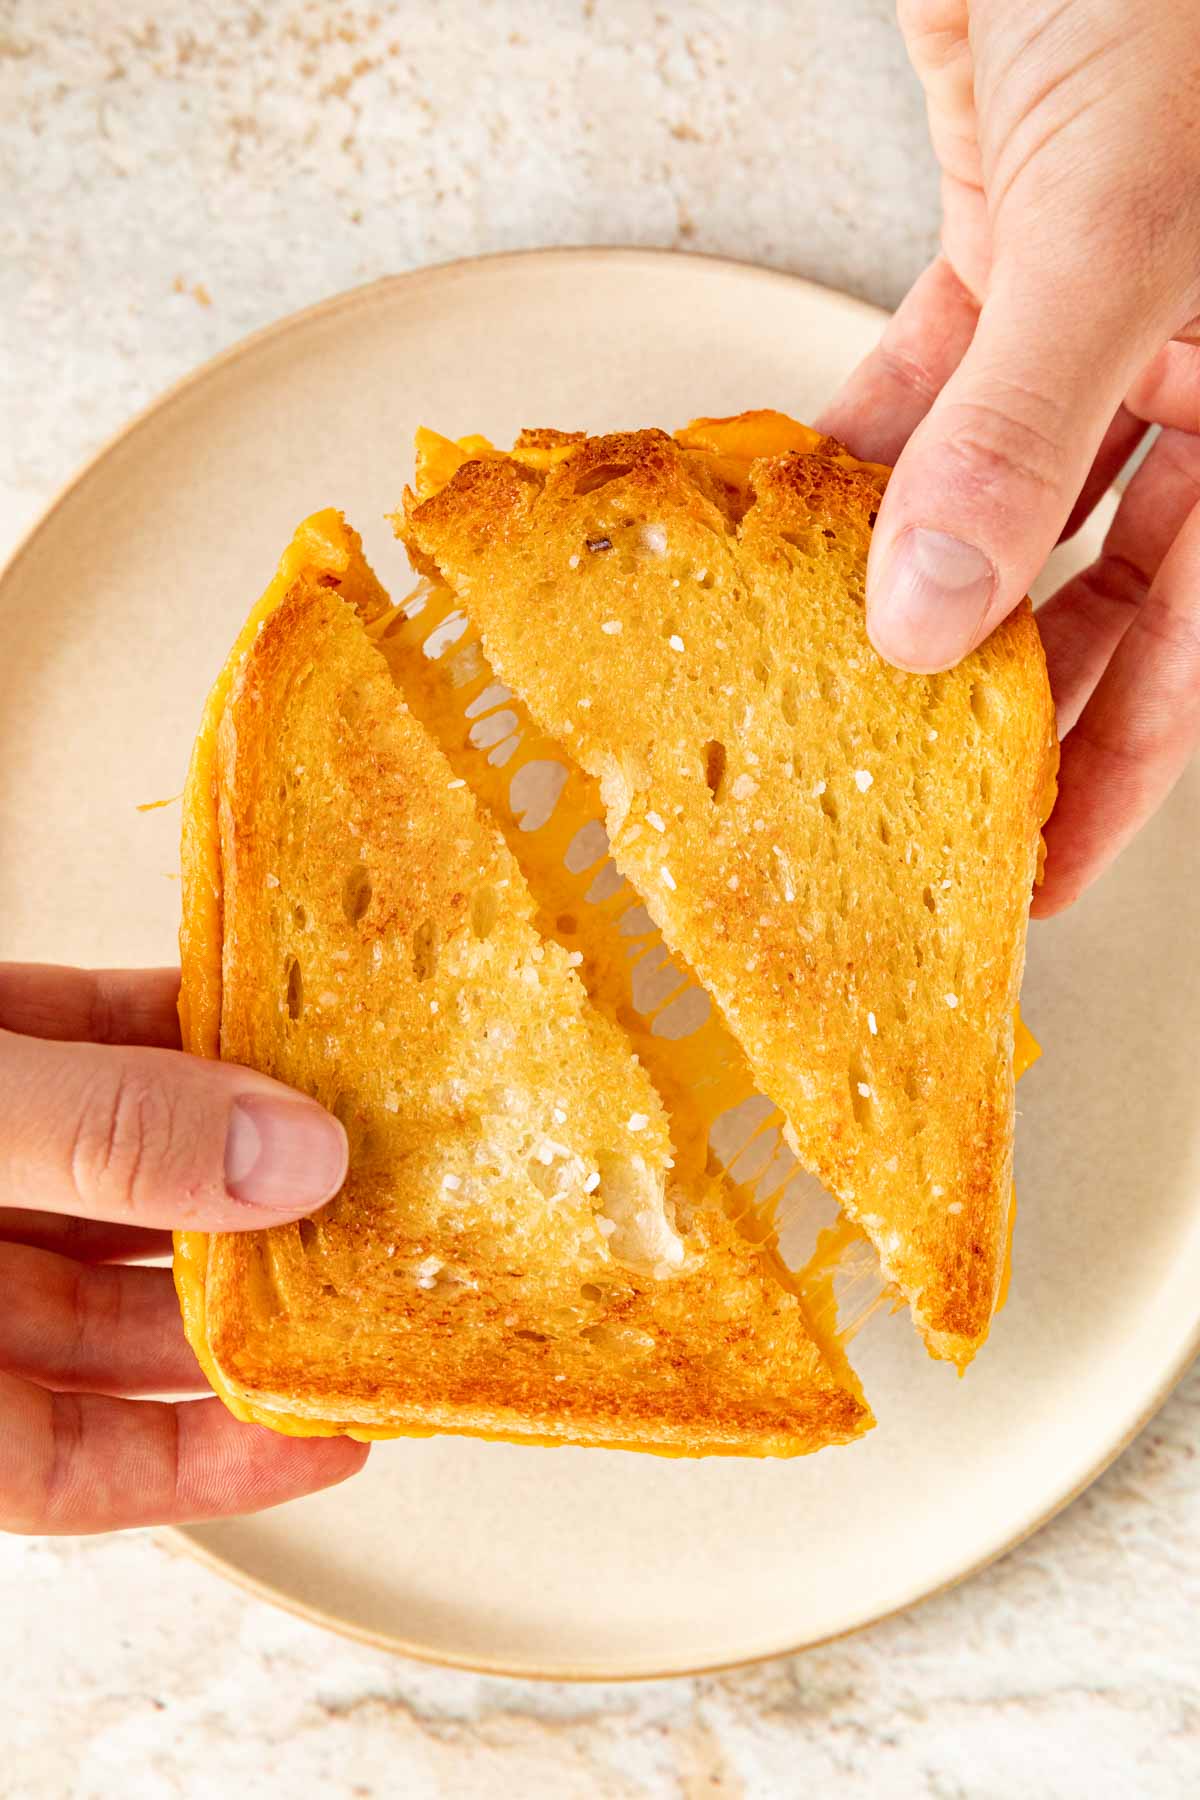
x=842, y=853
x=517, y=1251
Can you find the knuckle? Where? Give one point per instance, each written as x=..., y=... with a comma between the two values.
x=1008, y=437
x=38, y=1494
x=93, y=1305
x=122, y=1143
x=39, y=1461
x=1178, y=451
x=99, y=1026
x=1116, y=583
x=906, y=366
x=67, y=1413
x=1178, y=631
x=924, y=20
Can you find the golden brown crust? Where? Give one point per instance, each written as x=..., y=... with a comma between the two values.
x=849, y=850
x=378, y=953
x=325, y=550
x=544, y=437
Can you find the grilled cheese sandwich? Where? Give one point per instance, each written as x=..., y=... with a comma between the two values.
x=602, y=706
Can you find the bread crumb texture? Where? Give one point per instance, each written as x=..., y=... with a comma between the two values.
x=842, y=852
x=512, y=1253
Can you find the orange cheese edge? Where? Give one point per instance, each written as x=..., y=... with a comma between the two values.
x=731, y=445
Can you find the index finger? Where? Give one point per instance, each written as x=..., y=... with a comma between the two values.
x=882, y=402
x=93, y=1006
x=83, y=1240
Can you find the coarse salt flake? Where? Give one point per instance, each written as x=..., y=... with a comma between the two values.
x=592, y=1183
x=637, y=1121
x=657, y=820
x=864, y=1089
x=452, y=1183
x=955, y=1206
x=872, y=1027
x=668, y=878
x=272, y=881
x=611, y=627
x=675, y=641
x=951, y=1000
x=863, y=779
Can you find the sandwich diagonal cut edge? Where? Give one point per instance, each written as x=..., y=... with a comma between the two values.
x=849, y=850
x=404, y=1307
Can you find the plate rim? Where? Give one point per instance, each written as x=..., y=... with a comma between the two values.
x=183, y=1539
x=348, y=298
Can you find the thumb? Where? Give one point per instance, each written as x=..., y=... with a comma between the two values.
x=159, y=1139
x=987, y=481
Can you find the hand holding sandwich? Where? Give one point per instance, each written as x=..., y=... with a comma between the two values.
x=1012, y=385
x=111, y=1136
x=1062, y=317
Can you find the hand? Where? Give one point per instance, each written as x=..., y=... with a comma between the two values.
x=1021, y=371
x=110, y=1135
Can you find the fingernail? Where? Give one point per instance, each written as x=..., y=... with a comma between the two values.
x=287, y=1156
x=930, y=600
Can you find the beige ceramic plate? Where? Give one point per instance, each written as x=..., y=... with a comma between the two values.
x=113, y=619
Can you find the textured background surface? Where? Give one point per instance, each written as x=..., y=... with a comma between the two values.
x=173, y=177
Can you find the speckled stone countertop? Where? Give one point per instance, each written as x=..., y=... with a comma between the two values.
x=172, y=177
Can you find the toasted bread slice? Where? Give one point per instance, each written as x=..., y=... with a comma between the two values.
x=512, y=1253
x=843, y=853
